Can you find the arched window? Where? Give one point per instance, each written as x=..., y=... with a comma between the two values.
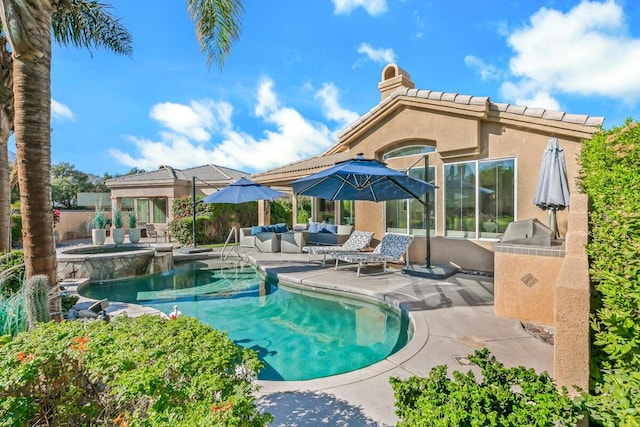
x=408, y=150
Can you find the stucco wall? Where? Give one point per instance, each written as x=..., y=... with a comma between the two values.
x=73, y=224
x=525, y=285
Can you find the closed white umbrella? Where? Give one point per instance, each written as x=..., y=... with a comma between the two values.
x=552, y=190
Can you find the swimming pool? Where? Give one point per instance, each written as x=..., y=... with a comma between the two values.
x=299, y=334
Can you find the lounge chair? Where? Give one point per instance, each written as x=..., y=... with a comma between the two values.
x=391, y=248
x=357, y=241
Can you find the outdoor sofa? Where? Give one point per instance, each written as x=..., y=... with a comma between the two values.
x=321, y=233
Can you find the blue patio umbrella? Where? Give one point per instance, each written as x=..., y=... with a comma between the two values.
x=364, y=179
x=552, y=189
x=361, y=179
x=241, y=191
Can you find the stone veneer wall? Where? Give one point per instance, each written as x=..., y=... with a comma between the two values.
x=104, y=267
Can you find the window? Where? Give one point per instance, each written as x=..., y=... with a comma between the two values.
x=326, y=211
x=410, y=150
x=406, y=216
x=152, y=210
x=143, y=210
x=479, y=198
x=159, y=210
x=497, y=194
x=347, y=212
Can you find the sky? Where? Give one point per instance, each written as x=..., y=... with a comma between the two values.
x=302, y=71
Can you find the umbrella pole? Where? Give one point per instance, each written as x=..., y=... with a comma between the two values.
x=427, y=216
x=193, y=210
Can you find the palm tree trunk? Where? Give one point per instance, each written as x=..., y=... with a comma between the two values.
x=5, y=193
x=31, y=48
x=6, y=126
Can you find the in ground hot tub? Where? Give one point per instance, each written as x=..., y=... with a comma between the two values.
x=111, y=262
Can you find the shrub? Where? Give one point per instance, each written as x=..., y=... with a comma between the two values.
x=12, y=316
x=132, y=371
x=11, y=282
x=213, y=220
x=99, y=220
x=610, y=176
x=16, y=229
x=182, y=230
x=133, y=221
x=281, y=212
x=505, y=397
x=117, y=218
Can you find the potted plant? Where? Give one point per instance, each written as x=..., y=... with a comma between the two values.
x=118, y=231
x=98, y=233
x=134, y=231
x=488, y=222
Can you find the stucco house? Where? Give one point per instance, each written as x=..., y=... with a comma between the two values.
x=151, y=194
x=483, y=156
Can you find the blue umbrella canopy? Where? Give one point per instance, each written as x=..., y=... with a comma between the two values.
x=241, y=191
x=361, y=179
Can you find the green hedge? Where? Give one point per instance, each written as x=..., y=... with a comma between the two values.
x=610, y=175
x=505, y=397
x=142, y=371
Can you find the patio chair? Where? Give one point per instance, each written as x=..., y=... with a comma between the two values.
x=151, y=231
x=357, y=241
x=391, y=248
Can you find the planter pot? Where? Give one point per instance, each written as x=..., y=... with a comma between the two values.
x=134, y=235
x=98, y=236
x=490, y=226
x=118, y=235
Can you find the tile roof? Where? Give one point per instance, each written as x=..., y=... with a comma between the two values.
x=209, y=173
x=309, y=165
x=580, y=119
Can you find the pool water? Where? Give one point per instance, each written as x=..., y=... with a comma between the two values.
x=299, y=334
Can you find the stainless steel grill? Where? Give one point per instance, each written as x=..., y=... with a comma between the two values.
x=527, y=232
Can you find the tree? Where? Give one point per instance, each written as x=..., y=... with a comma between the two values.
x=6, y=127
x=66, y=182
x=28, y=25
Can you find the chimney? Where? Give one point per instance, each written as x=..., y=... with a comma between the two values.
x=392, y=78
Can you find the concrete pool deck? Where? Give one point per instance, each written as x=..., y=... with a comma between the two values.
x=451, y=318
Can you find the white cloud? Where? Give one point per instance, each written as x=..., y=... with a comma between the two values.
x=196, y=120
x=61, y=111
x=486, y=71
x=328, y=95
x=181, y=143
x=585, y=51
x=373, y=7
x=530, y=94
x=379, y=56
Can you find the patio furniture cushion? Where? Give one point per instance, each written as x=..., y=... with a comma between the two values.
x=268, y=241
x=292, y=242
x=391, y=248
x=358, y=240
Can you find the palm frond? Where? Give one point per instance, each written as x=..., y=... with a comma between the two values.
x=217, y=25
x=88, y=23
